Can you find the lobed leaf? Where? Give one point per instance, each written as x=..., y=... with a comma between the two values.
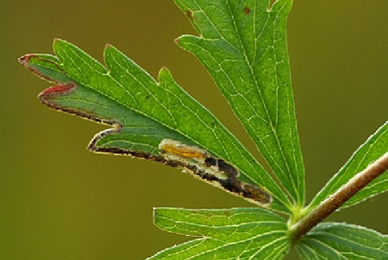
x=243, y=46
x=375, y=147
x=142, y=111
x=133, y=132
x=225, y=234
x=343, y=242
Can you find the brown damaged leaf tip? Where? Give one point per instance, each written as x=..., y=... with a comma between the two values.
x=24, y=59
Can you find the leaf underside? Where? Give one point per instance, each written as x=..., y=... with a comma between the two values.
x=224, y=234
x=339, y=241
x=244, y=47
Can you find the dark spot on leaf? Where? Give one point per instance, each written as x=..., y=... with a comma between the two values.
x=227, y=168
x=256, y=193
x=189, y=14
x=147, y=97
x=222, y=165
x=210, y=161
x=247, y=10
x=227, y=213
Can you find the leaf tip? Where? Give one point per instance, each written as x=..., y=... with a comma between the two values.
x=181, y=40
x=164, y=74
x=57, y=40
x=159, y=212
x=24, y=59
x=109, y=48
x=164, y=70
x=91, y=147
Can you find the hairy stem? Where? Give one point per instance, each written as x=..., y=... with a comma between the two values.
x=343, y=194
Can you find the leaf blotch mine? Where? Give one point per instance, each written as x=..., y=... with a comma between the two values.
x=49, y=95
x=247, y=10
x=57, y=90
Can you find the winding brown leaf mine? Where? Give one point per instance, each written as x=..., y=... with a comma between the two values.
x=219, y=173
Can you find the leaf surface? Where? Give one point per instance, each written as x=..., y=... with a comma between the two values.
x=133, y=132
x=375, y=147
x=224, y=234
x=243, y=46
x=337, y=241
x=142, y=111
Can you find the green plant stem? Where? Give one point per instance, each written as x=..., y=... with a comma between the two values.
x=357, y=183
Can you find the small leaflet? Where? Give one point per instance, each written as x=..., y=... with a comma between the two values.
x=202, y=165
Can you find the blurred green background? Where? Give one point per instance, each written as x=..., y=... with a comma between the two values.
x=59, y=201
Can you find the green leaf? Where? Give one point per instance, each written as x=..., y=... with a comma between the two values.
x=243, y=46
x=375, y=147
x=142, y=111
x=225, y=234
x=343, y=242
x=133, y=133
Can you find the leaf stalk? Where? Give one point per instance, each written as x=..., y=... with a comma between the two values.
x=343, y=194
